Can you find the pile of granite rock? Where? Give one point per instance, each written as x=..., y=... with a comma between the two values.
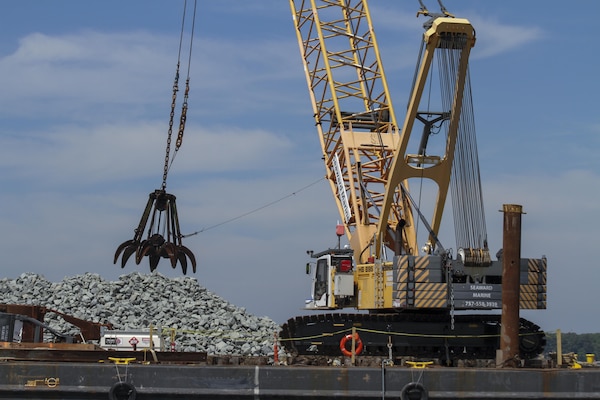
x=202, y=320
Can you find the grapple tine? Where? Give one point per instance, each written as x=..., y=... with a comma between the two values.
x=122, y=246
x=145, y=249
x=183, y=261
x=126, y=254
x=191, y=256
x=138, y=252
x=171, y=253
x=154, y=259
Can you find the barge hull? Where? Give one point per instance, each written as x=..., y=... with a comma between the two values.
x=50, y=380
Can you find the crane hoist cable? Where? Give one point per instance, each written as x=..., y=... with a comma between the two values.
x=164, y=238
x=184, y=105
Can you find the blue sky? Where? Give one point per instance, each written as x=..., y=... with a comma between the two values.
x=86, y=90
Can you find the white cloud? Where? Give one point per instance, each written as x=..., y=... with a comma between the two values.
x=82, y=154
x=62, y=75
x=494, y=38
x=92, y=154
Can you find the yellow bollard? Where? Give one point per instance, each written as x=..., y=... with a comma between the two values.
x=419, y=364
x=590, y=358
x=118, y=360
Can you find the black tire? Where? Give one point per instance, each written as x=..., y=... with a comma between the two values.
x=414, y=391
x=122, y=391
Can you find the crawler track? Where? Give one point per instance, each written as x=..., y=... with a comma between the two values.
x=410, y=334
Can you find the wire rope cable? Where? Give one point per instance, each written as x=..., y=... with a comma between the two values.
x=254, y=210
x=467, y=198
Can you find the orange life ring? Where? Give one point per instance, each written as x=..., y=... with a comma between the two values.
x=358, y=343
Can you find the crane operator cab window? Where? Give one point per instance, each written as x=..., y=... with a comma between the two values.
x=321, y=274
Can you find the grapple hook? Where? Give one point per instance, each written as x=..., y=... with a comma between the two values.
x=163, y=238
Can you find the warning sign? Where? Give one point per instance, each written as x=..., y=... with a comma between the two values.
x=124, y=340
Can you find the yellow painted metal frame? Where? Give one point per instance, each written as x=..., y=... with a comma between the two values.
x=403, y=167
x=347, y=86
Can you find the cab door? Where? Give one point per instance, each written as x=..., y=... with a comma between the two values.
x=321, y=282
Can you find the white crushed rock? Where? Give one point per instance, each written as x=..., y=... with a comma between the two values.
x=204, y=321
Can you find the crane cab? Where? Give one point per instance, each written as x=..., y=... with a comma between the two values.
x=332, y=280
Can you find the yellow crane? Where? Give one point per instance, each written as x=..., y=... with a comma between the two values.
x=371, y=158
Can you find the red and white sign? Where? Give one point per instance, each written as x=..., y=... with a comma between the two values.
x=124, y=340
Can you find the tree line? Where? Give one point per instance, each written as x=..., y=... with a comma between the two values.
x=579, y=343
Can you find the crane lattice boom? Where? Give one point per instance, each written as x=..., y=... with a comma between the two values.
x=353, y=113
x=367, y=156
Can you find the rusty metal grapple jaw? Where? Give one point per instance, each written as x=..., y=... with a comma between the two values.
x=163, y=238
